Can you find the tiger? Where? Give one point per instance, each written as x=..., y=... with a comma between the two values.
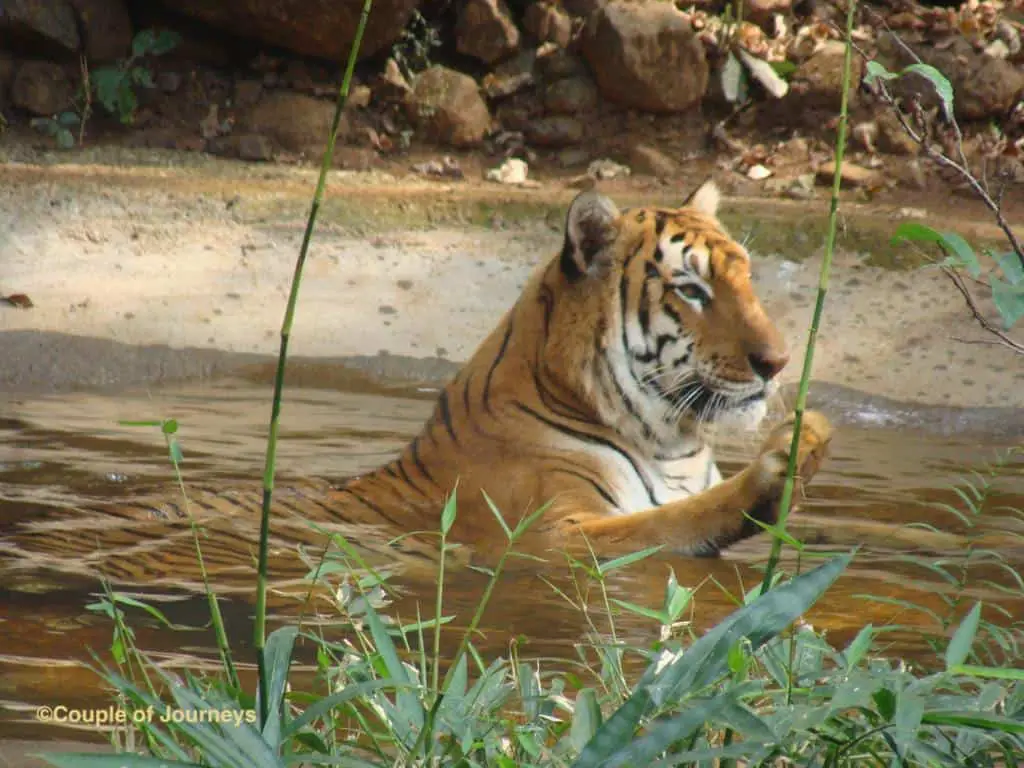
x=588, y=398
x=586, y=402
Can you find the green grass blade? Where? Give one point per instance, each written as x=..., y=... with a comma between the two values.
x=85, y=760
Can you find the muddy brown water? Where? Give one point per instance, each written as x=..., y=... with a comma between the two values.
x=58, y=454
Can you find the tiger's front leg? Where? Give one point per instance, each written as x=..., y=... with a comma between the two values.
x=705, y=523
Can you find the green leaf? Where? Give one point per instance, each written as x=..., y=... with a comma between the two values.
x=140, y=423
x=65, y=139
x=995, y=673
x=166, y=40
x=143, y=42
x=497, y=515
x=859, y=646
x=622, y=562
x=156, y=613
x=278, y=657
x=885, y=702
x=875, y=71
x=733, y=80
x=707, y=659
x=659, y=736
x=974, y=719
x=142, y=76
x=616, y=732
x=334, y=701
x=106, y=82
x=169, y=426
x=1011, y=267
x=176, y=455
x=943, y=88
x=959, y=252
x=784, y=68
x=586, y=719
x=68, y=119
x=640, y=610
x=1009, y=300
x=84, y=760
x=448, y=513
x=959, y=647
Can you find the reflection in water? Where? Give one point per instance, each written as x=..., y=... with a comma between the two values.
x=60, y=455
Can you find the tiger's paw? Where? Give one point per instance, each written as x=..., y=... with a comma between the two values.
x=815, y=434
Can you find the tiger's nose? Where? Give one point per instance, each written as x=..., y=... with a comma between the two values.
x=768, y=363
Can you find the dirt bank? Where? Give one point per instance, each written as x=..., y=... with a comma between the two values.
x=198, y=257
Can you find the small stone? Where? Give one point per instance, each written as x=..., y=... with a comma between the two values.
x=358, y=97
x=485, y=30
x=391, y=87
x=572, y=158
x=649, y=161
x=557, y=131
x=512, y=171
x=758, y=172
x=247, y=92
x=801, y=188
x=293, y=121
x=604, y=168
x=557, y=63
x=41, y=87
x=254, y=147
x=169, y=82
x=545, y=22
x=571, y=96
x=850, y=176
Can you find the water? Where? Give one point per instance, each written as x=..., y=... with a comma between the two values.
x=61, y=454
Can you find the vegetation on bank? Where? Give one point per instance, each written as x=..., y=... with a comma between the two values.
x=753, y=690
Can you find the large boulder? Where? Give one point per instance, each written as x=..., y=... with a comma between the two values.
x=447, y=106
x=646, y=56
x=321, y=28
x=50, y=23
x=106, y=27
x=41, y=88
x=485, y=31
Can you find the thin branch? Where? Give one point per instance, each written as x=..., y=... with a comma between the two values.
x=972, y=305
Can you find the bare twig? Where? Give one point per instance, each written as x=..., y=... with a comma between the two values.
x=972, y=305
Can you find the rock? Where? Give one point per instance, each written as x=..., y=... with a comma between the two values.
x=891, y=136
x=571, y=96
x=583, y=8
x=50, y=21
x=511, y=76
x=818, y=81
x=649, y=161
x=850, y=176
x=321, y=28
x=758, y=172
x=631, y=46
x=293, y=121
x=571, y=158
x=557, y=131
x=763, y=10
x=512, y=171
x=391, y=87
x=247, y=92
x=446, y=105
x=545, y=22
x=41, y=87
x=106, y=28
x=556, y=63
x=169, y=82
x=485, y=31
x=603, y=168
x=7, y=70
x=254, y=147
x=446, y=168
x=801, y=188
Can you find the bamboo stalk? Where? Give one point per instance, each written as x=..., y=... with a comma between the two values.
x=259, y=626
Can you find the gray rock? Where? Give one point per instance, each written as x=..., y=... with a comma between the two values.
x=557, y=131
x=51, y=20
x=571, y=96
x=41, y=87
x=106, y=27
x=633, y=46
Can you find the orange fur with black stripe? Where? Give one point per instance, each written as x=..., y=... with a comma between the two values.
x=587, y=397
x=589, y=393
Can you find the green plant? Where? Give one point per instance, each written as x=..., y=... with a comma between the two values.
x=414, y=49
x=115, y=85
x=59, y=127
x=1007, y=289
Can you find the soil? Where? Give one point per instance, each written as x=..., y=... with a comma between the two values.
x=192, y=257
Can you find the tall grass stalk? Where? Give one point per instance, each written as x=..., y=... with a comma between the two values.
x=259, y=627
x=819, y=305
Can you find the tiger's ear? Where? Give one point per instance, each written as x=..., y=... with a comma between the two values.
x=589, y=229
x=705, y=198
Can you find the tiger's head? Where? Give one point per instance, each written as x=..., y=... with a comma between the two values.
x=659, y=318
